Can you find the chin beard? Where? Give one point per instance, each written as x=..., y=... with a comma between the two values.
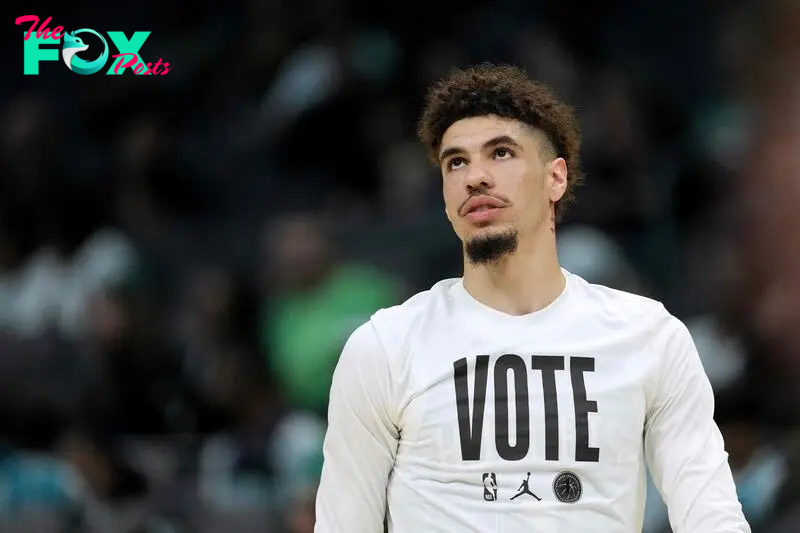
x=491, y=248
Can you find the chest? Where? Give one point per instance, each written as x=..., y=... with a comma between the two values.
x=539, y=400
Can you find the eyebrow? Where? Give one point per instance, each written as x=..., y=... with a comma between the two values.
x=501, y=139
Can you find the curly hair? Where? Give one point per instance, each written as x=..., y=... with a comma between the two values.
x=506, y=92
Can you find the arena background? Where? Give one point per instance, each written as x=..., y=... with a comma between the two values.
x=182, y=256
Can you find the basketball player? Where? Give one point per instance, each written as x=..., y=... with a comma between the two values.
x=519, y=366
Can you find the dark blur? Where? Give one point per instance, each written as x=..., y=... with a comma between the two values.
x=183, y=256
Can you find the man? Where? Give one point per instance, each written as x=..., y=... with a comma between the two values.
x=519, y=366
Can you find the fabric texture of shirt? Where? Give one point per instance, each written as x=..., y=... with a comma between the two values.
x=447, y=415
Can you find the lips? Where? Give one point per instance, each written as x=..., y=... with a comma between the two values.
x=481, y=203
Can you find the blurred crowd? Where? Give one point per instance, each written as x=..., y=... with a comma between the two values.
x=183, y=257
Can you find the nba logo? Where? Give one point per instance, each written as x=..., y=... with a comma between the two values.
x=489, y=487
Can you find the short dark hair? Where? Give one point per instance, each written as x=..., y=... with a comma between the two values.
x=507, y=92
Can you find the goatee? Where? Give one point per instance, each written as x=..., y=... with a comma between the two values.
x=487, y=249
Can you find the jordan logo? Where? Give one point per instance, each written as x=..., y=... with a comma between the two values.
x=525, y=489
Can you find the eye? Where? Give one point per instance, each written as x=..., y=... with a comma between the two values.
x=503, y=153
x=455, y=163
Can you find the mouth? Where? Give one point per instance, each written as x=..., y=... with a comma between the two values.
x=482, y=208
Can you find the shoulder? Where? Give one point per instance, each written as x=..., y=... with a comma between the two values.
x=393, y=324
x=376, y=353
x=388, y=328
x=642, y=320
x=620, y=309
x=663, y=339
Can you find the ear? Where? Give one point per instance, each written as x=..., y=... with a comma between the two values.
x=557, y=179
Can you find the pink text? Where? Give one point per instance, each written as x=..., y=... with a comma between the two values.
x=43, y=32
x=134, y=58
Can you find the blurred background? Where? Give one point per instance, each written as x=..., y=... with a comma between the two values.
x=183, y=256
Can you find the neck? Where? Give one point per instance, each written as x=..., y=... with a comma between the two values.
x=526, y=281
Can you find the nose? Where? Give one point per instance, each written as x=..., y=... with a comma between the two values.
x=477, y=178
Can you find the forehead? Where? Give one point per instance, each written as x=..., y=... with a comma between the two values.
x=471, y=133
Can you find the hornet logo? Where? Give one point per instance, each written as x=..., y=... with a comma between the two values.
x=73, y=45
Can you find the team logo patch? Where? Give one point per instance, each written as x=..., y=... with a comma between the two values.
x=567, y=487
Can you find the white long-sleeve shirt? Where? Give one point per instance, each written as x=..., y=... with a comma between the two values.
x=443, y=411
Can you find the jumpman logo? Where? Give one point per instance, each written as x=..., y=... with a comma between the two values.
x=525, y=489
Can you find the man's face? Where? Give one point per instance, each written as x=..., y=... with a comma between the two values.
x=498, y=182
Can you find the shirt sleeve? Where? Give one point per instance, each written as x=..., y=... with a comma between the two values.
x=683, y=445
x=361, y=439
